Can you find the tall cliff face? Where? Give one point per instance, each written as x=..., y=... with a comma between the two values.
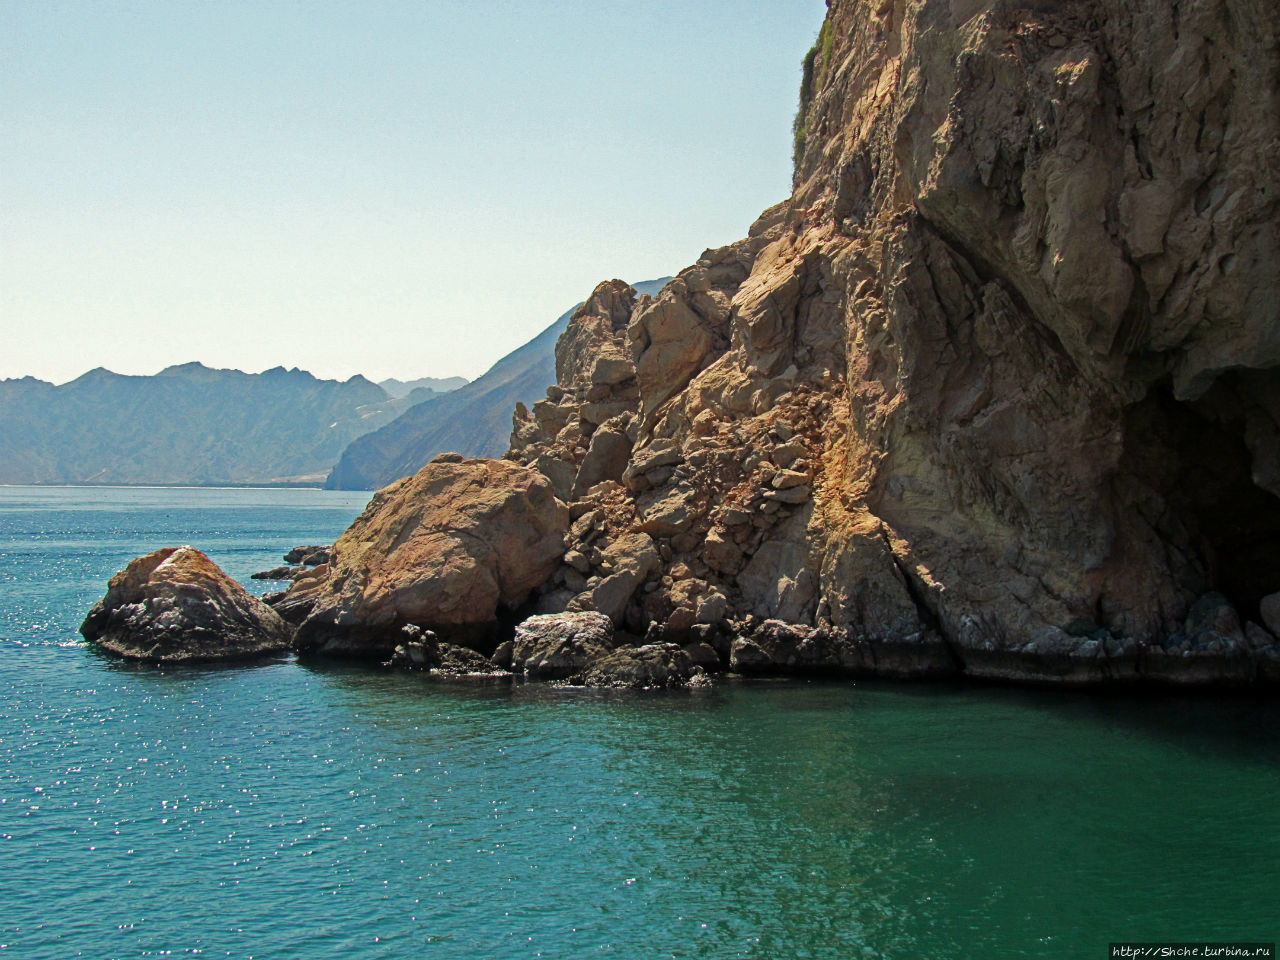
x=995, y=391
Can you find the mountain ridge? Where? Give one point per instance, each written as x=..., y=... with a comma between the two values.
x=189, y=424
x=474, y=420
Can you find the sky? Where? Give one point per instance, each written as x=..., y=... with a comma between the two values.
x=397, y=189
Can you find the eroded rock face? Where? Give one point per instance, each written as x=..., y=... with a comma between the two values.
x=446, y=549
x=994, y=392
x=176, y=605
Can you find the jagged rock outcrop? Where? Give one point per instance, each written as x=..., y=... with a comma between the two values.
x=994, y=393
x=448, y=549
x=422, y=650
x=176, y=605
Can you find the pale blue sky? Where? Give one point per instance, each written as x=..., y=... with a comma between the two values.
x=389, y=188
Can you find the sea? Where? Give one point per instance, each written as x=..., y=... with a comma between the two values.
x=283, y=809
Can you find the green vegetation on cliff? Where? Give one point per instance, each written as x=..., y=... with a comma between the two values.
x=815, y=67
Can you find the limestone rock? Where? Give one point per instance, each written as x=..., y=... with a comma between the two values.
x=175, y=605
x=445, y=549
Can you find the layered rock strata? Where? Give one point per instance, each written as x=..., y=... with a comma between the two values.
x=177, y=605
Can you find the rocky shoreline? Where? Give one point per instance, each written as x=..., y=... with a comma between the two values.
x=175, y=605
x=994, y=394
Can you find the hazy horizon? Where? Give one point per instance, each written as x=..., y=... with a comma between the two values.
x=398, y=190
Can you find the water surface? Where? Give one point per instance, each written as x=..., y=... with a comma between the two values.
x=288, y=811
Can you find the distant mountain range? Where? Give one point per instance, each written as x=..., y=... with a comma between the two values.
x=193, y=425
x=190, y=424
x=402, y=388
x=474, y=420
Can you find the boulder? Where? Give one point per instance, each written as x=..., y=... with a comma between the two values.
x=670, y=512
x=176, y=605
x=605, y=460
x=652, y=665
x=277, y=573
x=310, y=556
x=446, y=549
x=703, y=655
x=560, y=646
x=747, y=656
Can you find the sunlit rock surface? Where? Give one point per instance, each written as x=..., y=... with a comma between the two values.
x=448, y=549
x=176, y=604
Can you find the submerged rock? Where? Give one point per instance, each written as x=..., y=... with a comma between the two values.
x=176, y=604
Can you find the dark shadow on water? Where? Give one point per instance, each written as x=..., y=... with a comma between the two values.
x=1243, y=725
x=115, y=663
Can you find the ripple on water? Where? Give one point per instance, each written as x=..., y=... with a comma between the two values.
x=286, y=811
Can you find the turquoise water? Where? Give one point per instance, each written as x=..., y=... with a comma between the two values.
x=290, y=811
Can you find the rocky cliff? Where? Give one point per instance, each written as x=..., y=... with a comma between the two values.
x=994, y=392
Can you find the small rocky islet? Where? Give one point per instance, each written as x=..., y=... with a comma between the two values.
x=175, y=605
x=995, y=393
